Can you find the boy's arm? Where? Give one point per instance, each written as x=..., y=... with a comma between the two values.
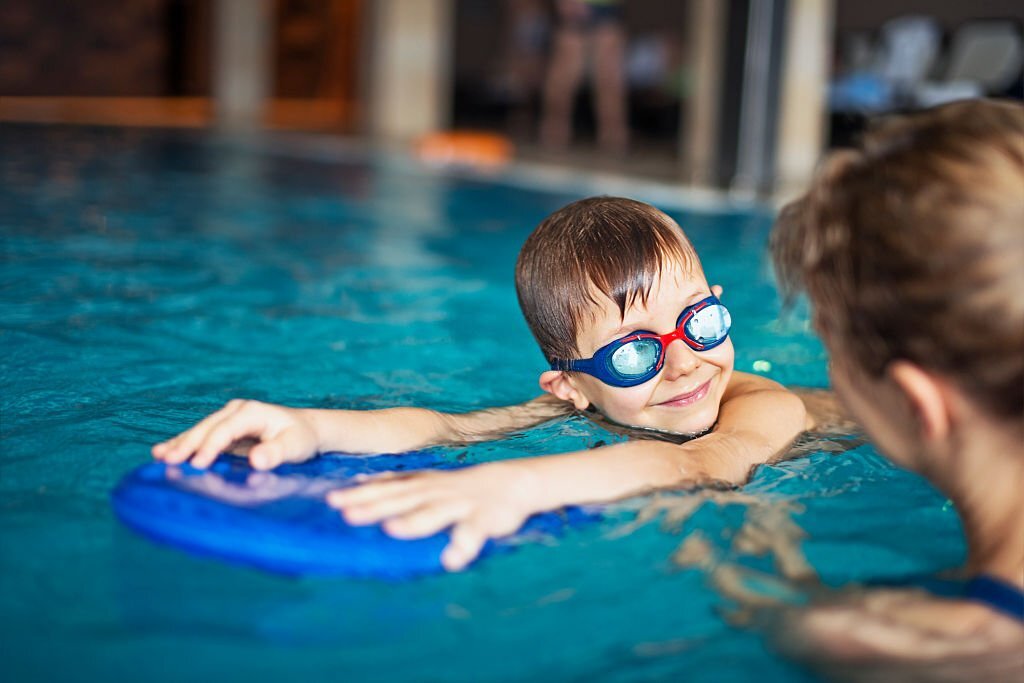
x=272, y=434
x=757, y=422
x=393, y=430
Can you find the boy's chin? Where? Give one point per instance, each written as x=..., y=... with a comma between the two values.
x=695, y=425
x=677, y=434
x=695, y=430
x=689, y=429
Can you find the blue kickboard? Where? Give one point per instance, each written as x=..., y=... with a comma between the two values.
x=279, y=521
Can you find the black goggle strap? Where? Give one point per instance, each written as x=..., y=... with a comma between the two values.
x=580, y=365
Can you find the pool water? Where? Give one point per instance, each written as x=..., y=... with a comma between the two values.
x=148, y=277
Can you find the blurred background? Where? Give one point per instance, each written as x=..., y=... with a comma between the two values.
x=736, y=94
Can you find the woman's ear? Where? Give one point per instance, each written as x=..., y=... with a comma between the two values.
x=927, y=397
x=558, y=384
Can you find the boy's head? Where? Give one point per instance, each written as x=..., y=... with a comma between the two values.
x=599, y=269
x=911, y=249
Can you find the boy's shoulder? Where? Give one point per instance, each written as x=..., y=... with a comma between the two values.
x=825, y=413
x=790, y=401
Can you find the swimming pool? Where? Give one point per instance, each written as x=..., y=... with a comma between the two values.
x=150, y=276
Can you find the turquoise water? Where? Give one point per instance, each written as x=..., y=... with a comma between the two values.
x=149, y=277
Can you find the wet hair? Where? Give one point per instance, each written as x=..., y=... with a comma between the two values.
x=912, y=247
x=598, y=246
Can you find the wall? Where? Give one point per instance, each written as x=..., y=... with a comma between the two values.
x=858, y=15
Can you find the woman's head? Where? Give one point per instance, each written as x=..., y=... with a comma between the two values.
x=911, y=248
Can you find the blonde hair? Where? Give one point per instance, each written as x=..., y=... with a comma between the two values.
x=912, y=247
x=602, y=245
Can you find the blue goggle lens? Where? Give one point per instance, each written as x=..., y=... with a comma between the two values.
x=636, y=358
x=709, y=325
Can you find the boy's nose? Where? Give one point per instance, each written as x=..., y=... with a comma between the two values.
x=680, y=359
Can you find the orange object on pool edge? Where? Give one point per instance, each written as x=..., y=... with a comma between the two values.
x=464, y=148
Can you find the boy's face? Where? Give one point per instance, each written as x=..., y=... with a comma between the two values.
x=685, y=396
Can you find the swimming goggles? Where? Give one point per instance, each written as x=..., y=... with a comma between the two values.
x=638, y=357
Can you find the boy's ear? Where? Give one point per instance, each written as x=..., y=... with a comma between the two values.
x=717, y=290
x=559, y=385
x=926, y=397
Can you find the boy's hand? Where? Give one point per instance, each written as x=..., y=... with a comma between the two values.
x=284, y=435
x=479, y=502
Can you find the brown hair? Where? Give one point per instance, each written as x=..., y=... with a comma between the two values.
x=912, y=247
x=601, y=245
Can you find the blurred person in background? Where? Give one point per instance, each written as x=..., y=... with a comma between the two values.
x=594, y=27
x=528, y=26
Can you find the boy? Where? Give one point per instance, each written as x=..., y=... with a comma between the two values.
x=606, y=285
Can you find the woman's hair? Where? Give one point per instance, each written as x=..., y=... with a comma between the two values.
x=912, y=247
x=598, y=246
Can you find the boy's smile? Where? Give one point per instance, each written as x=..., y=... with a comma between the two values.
x=685, y=395
x=689, y=397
